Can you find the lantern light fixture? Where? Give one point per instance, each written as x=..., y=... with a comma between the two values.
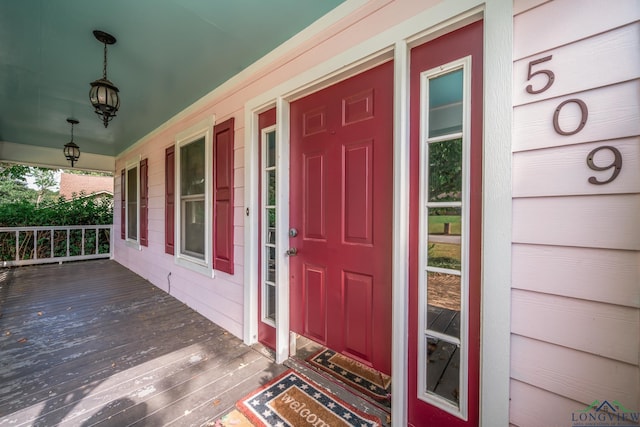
x=104, y=94
x=71, y=150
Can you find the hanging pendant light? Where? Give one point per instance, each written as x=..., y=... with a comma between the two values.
x=71, y=150
x=104, y=94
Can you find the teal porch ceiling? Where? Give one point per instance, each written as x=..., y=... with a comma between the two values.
x=168, y=54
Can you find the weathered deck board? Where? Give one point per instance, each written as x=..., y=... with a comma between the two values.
x=92, y=343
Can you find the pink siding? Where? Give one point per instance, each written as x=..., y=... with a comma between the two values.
x=575, y=299
x=220, y=298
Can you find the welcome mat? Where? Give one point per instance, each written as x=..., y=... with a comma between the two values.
x=293, y=400
x=359, y=376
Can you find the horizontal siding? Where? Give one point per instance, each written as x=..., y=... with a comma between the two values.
x=591, y=274
x=238, y=177
x=601, y=221
x=576, y=245
x=578, y=376
x=601, y=329
x=574, y=67
x=563, y=170
x=613, y=114
x=220, y=299
x=534, y=407
x=573, y=19
x=520, y=6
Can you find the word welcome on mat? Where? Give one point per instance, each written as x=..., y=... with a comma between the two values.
x=292, y=400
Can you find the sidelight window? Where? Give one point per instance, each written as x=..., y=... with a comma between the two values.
x=268, y=226
x=444, y=204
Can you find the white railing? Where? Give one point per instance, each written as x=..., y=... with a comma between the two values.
x=49, y=244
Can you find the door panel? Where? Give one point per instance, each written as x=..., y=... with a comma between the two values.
x=358, y=193
x=315, y=292
x=358, y=307
x=445, y=229
x=341, y=197
x=315, y=196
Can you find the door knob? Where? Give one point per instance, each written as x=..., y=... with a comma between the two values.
x=291, y=252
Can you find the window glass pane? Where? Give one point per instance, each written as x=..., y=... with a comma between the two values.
x=132, y=204
x=271, y=149
x=271, y=189
x=192, y=165
x=443, y=303
x=445, y=104
x=271, y=226
x=444, y=240
x=193, y=230
x=270, y=305
x=443, y=369
x=445, y=171
x=271, y=264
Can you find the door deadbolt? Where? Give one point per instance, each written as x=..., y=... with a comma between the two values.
x=293, y=232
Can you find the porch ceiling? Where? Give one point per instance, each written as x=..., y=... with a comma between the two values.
x=168, y=54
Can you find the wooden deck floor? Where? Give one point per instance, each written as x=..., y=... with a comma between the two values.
x=92, y=343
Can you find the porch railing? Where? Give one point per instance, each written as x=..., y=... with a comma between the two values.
x=41, y=245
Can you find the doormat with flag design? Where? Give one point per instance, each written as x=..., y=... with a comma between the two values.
x=361, y=377
x=292, y=400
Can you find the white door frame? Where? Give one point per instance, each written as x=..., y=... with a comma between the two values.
x=395, y=43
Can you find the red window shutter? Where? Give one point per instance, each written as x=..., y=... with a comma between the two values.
x=169, y=199
x=123, y=207
x=223, y=196
x=144, y=202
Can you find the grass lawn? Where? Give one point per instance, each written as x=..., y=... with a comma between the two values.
x=444, y=250
x=437, y=222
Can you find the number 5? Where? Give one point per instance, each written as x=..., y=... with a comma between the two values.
x=550, y=76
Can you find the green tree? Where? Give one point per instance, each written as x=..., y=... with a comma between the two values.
x=13, y=171
x=445, y=170
x=44, y=180
x=13, y=185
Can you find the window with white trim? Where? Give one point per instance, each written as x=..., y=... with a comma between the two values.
x=444, y=234
x=192, y=198
x=132, y=198
x=268, y=226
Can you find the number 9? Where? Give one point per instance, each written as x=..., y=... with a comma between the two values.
x=616, y=164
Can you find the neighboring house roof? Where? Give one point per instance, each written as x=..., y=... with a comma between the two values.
x=90, y=185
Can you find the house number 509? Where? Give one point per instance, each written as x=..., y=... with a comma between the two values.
x=584, y=115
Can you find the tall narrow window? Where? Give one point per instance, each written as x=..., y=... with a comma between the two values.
x=268, y=228
x=132, y=202
x=192, y=199
x=443, y=283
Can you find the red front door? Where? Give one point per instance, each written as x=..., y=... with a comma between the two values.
x=341, y=182
x=445, y=229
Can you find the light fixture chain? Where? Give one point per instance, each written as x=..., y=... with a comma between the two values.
x=104, y=63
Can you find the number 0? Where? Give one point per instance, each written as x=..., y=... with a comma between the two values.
x=584, y=114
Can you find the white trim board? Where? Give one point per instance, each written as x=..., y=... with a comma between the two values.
x=54, y=158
